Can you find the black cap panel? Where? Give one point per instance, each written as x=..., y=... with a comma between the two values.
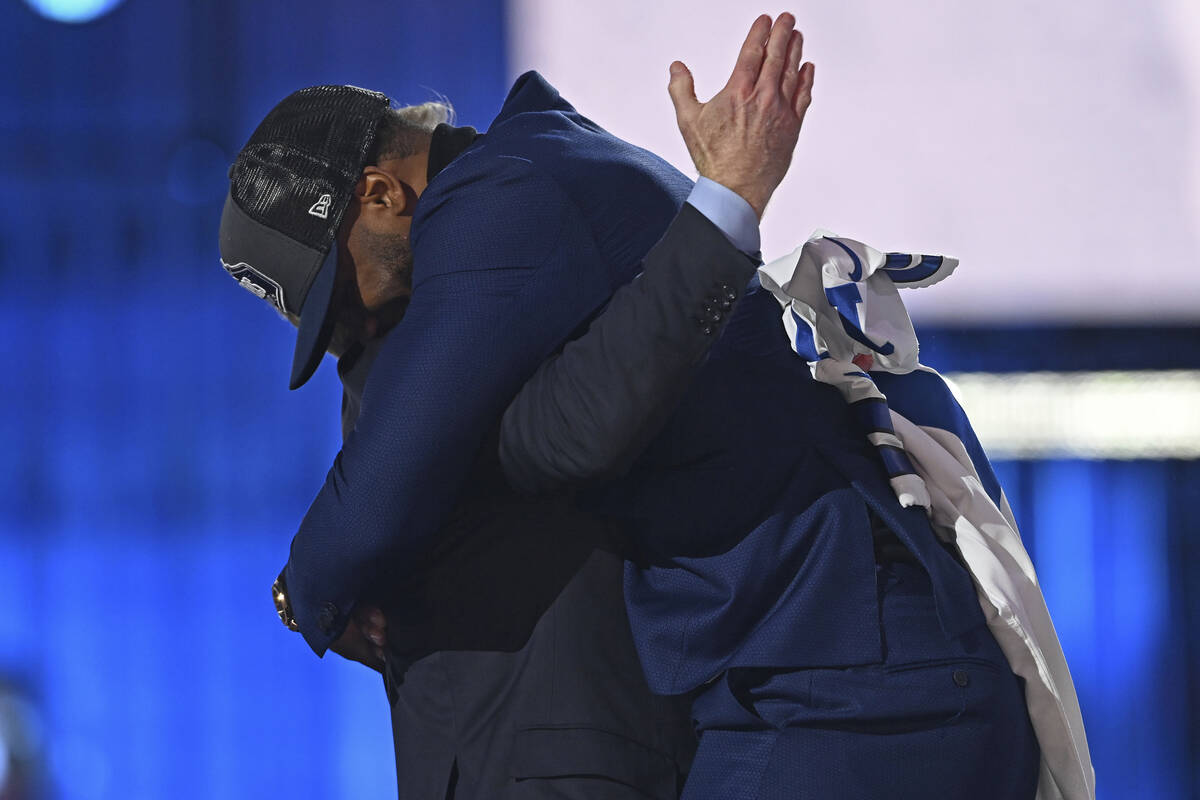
x=298, y=170
x=265, y=262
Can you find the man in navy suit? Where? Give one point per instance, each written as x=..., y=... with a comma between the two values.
x=445, y=266
x=834, y=648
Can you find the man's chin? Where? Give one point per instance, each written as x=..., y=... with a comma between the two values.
x=387, y=316
x=357, y=325
x=341, y=341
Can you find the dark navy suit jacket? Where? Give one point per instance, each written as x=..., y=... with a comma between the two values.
x=511, y=665
x=516, y=243
x=749, y=509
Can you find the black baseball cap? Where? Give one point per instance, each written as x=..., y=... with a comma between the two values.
x=288, y=191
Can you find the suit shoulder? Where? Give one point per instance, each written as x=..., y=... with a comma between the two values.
x=493, y=210
x=532, y=92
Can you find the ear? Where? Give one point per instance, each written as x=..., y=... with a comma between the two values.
x=379, y=191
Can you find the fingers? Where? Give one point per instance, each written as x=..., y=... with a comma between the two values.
x=776, y=56
x=682, y=89
x=791, y=70
x=373, y=625
x=803, y=98
x=750, y=58
x=376, y=618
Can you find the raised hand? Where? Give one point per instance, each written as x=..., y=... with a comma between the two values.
x=744, y=136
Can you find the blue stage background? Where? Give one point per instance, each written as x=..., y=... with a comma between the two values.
x=157, y=465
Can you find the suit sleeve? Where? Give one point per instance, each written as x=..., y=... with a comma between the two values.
x=589, y=411
x=505, y=274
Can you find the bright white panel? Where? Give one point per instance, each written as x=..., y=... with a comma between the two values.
x=1053, y=147
x=1120, y=415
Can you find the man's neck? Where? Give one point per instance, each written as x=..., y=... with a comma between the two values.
x=446, y=143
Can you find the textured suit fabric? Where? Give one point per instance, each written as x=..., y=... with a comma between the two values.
x=594, y=435
x=751, y=515
x=511, y=671
x=515, y=244
x=937, y=717
x=750, y=520
x=510, y=667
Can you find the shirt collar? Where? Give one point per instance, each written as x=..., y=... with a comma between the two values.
x=447, y=144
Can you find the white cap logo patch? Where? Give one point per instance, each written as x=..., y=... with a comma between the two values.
x=321, y=207
x=257, y=284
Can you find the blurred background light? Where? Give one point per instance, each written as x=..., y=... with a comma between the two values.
x=196, y=172
x=73, y=11
x=22, y=743
x=4, y=762
x=967, y=130
x=1089, y=415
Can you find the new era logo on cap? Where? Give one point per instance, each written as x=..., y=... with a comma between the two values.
x=321, y=207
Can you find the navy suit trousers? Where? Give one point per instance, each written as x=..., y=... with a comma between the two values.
x=868, y=732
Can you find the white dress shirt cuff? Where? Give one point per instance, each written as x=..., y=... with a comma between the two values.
x=729, y=211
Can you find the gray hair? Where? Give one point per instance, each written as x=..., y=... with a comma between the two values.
x=405, y=131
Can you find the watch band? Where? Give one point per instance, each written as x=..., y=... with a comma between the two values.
x=283, y=606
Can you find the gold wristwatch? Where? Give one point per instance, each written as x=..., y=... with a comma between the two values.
x=283, y=606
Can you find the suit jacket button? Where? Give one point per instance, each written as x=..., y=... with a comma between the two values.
x=327, y=617
x=730, y=293
x=707, y=330
x=961, y=678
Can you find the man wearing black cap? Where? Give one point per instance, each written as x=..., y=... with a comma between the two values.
x=508, y=657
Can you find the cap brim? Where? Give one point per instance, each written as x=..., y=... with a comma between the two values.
x=316, y=322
